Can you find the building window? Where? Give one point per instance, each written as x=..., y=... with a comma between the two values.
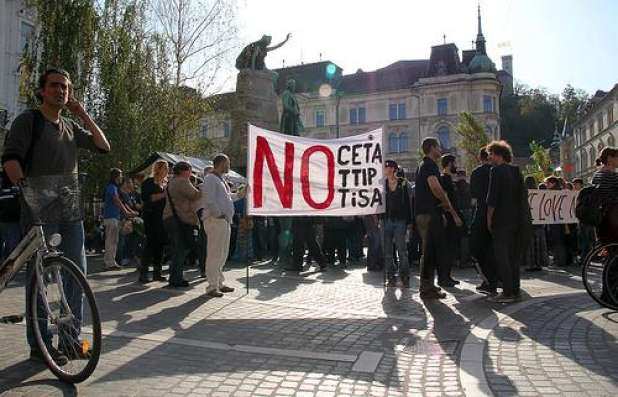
x=397, y=111
x=353, y=116
x=26, y=35
x=593, y=156
x=610, y=115
x=442, y=106
x=204, y=131
x=591, y=131
x=403, y=142
x=443, y=136
x=611, y=141
x=226, y=129
x=600, y=121
x=358, y=115
x=401, y=110
x=488, y=104
x=393, y=143
x=320, y=118
x=362, y=115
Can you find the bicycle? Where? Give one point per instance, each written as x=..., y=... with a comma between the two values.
x=61, y=307
x=600, y=274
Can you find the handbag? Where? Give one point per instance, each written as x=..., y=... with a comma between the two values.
x=186, y=230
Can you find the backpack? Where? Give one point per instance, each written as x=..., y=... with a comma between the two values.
x=588, y=208
x=10, y=208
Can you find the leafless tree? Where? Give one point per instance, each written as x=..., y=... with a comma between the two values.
x=200, y=35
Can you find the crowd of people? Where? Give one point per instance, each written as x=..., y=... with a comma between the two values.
x=438, y=221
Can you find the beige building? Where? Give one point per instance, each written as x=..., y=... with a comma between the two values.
x=410, y=99
x=595, y=130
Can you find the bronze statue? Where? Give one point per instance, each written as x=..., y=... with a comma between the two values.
x=253, y=56
x=290, y=117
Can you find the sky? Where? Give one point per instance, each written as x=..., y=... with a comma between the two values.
x=553, y=42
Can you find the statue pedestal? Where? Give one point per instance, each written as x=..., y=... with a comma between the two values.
x=256, y=103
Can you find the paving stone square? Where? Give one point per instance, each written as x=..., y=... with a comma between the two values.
x=310, y=333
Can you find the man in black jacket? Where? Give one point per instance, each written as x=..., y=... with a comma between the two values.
x=480, y=236
x=430, y=203
x=508, y=218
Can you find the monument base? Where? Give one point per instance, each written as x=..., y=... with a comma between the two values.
x=256, y=103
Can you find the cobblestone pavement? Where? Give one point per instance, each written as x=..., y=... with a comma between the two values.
x=325, y=334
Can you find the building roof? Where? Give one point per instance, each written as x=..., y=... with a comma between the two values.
x=481, y=63
x=398, y=75
x=595, y=101
x=222, y=102
x=466, y=56
x=308, y=76
x=444, y=60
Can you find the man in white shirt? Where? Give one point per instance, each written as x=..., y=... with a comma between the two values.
x=217, y=217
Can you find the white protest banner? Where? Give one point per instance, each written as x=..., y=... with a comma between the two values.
x=296, y=176
x=552, y=206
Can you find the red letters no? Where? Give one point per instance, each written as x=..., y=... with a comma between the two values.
x=285, y=187
x=304, y=176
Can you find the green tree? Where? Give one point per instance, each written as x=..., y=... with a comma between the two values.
x=540, y=166
x=472, y=138
x=66, y=38
x=571, y=107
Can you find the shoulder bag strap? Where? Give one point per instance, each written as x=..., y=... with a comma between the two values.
x=169, y=197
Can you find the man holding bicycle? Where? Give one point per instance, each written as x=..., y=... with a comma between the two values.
x=44, y=144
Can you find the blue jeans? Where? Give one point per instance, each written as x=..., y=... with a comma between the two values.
x=395, y=233
x=73, y=248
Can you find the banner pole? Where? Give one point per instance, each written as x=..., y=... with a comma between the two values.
x=247, y=198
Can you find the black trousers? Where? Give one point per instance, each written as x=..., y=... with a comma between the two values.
x=333, y=240
x=156, y=239
x=431, y=228
x=482, y=250
x=304, y=235
x=507, y=258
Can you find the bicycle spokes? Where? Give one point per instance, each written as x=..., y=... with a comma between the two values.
x=64, y=321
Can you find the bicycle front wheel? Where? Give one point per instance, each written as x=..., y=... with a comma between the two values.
x=65, y=317
x=599, y=275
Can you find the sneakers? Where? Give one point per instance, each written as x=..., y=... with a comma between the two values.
x=158, y=277
x=214, y=294
x=486, y=289
x=59, y=358
x=432, y=294
x=180, y=284
x=226, y=289
x=113, y=266
x=503, y=298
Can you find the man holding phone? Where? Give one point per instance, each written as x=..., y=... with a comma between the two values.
x=43, y=145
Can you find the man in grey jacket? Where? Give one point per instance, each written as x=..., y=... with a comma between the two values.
x=217, y=218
